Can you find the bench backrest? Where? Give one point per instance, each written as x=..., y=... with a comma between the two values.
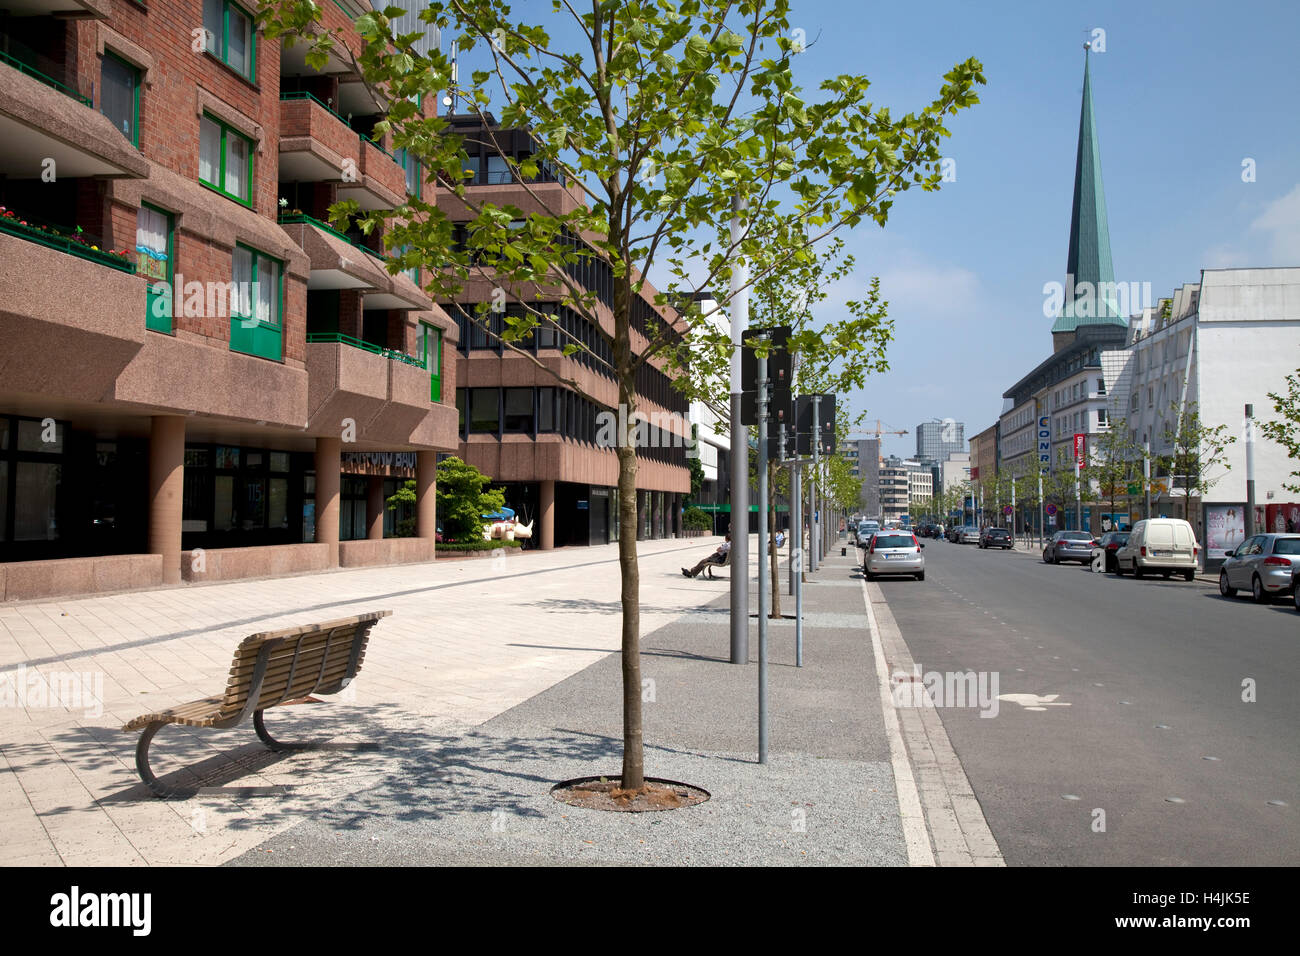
x=277, y=666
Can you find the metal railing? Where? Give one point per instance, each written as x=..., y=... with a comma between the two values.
x=53, y=238
x=49, y=81
x=338, y=338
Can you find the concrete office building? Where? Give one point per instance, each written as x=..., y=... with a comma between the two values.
x=1213, y=347
x=518, y=422
x=201, y=379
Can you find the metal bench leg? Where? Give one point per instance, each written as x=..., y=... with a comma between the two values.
x=142, y=765
x=278, y=745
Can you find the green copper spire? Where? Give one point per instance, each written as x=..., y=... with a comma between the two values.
x=1090, y=276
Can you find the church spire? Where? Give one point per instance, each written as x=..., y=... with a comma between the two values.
x=1090, y=275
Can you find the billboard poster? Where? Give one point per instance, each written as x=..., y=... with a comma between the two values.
x=1225, y=527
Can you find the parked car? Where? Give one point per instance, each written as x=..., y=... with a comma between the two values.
x=969, y=535
x=894, y=552
x=1108, y=546
x=865, y=530
x=1069, y=546
x=1263, y=563
x=1159, y=546
x=953, y=533
x=1295, y=587
x=995, y=538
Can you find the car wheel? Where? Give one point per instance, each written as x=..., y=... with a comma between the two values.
x=1257, y=590
x=870, y=576
x=1295, y=598
x=920, y=576
x=1137, y=572
x=1119, y=569
x=1225, y=588
x=1189, y=575
x=1166, y=574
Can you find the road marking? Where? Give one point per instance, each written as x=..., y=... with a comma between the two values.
x=943, y=803
x=910, y=812
x=1033, y=701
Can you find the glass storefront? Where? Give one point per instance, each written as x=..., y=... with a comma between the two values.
x=238, y=497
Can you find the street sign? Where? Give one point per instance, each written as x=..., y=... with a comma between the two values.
x=1006, y=510
x=1050, y=509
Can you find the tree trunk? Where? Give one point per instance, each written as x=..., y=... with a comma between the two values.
x=628, y=520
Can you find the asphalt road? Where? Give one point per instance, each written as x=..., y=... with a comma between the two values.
x=1149, y=676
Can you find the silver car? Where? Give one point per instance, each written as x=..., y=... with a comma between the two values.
x=1262, y=564
x=1069, y=546
x=968, y=535
x=894, y=552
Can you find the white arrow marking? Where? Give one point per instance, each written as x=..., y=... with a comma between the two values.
x=1033, y=701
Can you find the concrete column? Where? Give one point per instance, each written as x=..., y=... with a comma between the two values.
x=375, y=508
x=547, y=516
x=167, y=492
x=426, y=494
x=328, y=463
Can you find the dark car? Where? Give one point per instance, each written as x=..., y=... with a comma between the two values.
x=995, y=538
x=1109, y=544
x=1069, y=546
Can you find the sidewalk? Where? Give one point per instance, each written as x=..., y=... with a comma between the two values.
x=490, y=682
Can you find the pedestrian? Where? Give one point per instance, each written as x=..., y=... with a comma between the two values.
x=717, y=557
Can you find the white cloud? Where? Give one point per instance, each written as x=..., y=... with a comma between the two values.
x=925, y=291
x=1281, y=220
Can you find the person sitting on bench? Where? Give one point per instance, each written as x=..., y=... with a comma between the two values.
x=717, y=557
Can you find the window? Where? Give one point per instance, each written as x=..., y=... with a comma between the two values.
x=411, y=166
x=153, y=258
x=229, y=35
x=255, y=326
x=498, y=172
x=432, y=352
x=484, y=410
x=1150, y=396
x=1133, y=403
x=1101, y=386
x=471, y=168
x=518, y=410
x=1103, y=418
x=546, y=409
x=119, y=97
x=225, y=160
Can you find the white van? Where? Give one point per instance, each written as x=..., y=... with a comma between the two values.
x=1159, y=546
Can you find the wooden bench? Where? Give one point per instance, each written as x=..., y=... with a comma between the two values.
x=725, y=563
x=269, y=669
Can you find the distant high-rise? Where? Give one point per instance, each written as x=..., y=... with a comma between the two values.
x=936, y=440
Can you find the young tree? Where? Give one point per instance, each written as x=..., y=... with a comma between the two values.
x=1115, y=462
x=1286, y=431
x=1197, y=452
x=464, y=497
x=662, y=116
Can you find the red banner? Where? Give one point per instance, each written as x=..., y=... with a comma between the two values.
x=1081, y=451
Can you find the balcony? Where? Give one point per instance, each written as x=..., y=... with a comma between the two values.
x=63, y=9
x=39, y=125
x=64, y=305
x=318, y=145
x=381, y=184
x=345, y=380
x=336, y=262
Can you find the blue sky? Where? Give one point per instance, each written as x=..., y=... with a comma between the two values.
x=1183, y=94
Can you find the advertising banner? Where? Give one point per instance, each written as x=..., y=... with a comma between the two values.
x=1225, y=527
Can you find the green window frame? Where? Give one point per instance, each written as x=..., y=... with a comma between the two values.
x=158, y=302
x=432, y=352
x=131, y=70
x=220, y=170
x=250, y=332
x=217, y=17
x=411, y=167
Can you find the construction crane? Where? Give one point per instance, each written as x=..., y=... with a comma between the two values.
x=880, y=431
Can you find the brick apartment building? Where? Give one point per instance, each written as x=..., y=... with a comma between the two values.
x=192, y=359
x=517, y=422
